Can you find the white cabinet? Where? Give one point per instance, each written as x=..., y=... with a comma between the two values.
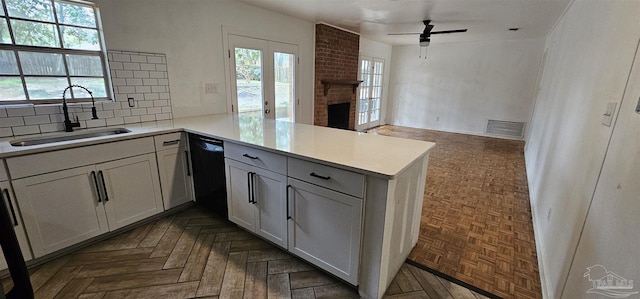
x=325, y=228
x=63, y=207
x=174, y=168
x=131, y=189
x=14, y=215
x=256, y=200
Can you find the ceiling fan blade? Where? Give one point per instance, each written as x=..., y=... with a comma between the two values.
x=415, y=33
x=449, y=31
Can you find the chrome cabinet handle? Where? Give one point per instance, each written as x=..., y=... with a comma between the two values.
x=95, y=182
x=104, y=186
x=13, y=212
x=313, y=174
x=250, y=157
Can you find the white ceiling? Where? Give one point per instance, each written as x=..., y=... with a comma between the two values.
x=373, y=19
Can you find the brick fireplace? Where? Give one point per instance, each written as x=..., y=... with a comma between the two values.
x=336, y=60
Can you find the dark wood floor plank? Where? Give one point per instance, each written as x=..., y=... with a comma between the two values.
x=406, y=281
x=289, y=265
x=197, y=260
x=98, y=295
x=170, y=238
x=74, y=288
x=306, y=293
x=255, y=285
x=122, y=267
x=182, y=250
x=54, y=285
x=247, y=245
x=457, y=291
x=410, y=295
x=109, y=256
x=157, y=231
x=335, y=291
x=46, y=271
x=169, y=291
x=278, y=286
x=306, y=279
x=234, y=276
x=430, y=283
x=214, y=270
x=263, y=255
x=134, y=280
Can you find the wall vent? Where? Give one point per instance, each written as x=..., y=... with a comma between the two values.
x=503, y=128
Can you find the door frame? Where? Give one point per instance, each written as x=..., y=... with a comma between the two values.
x=229, y=84
x=368, y=125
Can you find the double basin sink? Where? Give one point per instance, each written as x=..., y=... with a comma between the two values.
x=67, y=137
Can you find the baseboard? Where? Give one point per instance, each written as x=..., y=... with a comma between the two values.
x=481, y=134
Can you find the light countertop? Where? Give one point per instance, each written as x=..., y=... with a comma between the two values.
x=367, y=153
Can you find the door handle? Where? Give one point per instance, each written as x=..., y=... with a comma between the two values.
x=267, y=111
x=104, y=186
x=95, y=182
x=13, y=212
x=186, y=154
x=288, y=215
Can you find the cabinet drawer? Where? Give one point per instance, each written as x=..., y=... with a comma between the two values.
x=326, y=176
x=35, y=164
x=253, y=156
x=170, y=141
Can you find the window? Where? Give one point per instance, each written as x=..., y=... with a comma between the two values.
x=47, y=45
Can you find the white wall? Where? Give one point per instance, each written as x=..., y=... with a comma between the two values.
x=589, y=56
x=461, y=85
x=379, y=50
x=189, y=32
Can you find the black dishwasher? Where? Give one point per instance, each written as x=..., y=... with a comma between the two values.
x=207, y=161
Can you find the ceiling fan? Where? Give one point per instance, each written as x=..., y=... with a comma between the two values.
x=425, y=36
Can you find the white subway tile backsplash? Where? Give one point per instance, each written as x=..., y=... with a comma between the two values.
x=122, y=113
x=134, y=81
x=6, y=132
x=115, y=121
x=20, y=111
x=11, y=122
x=149, y=117
x=138, y=58
x=121, y=57
x=132, y=66
x=154, y=59
x=25, y=130
x=132, y=119
x=36, y=120
x=141, y=76
x=147, y=67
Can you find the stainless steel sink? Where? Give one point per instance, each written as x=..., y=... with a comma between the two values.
x=67, y=137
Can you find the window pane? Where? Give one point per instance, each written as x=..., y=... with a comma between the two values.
x=8, y=63
x=96, y=85
x=80, y=38
x=5, y=38
x=283, y=69
x=34, y=63
x=40, y=88
x=81, y=65
x=1, y=9
x=35, y=34
x=249, y=81
x=72, y=14
x=11, y=89
x=39, y=10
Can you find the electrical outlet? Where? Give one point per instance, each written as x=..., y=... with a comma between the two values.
x=132, y=102
x=549, y=214
x=607, y=117
x=210, y=88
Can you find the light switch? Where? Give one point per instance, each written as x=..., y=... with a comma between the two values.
x=210, y=88
x=607, y=117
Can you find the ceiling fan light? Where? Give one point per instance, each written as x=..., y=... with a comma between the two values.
x=424, y=43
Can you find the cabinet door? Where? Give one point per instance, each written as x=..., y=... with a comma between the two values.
x=175, y=177
x=241, y=210
x=270, y=197
x=325, y=228
x=131, y=189
x=60, y=209
x=14, y=215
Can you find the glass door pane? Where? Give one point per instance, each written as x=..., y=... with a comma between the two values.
x=376, y=93
x=284, y=85
x=363, y=96
x=249, y=81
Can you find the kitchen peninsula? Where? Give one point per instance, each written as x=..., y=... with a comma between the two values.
x=350, y=202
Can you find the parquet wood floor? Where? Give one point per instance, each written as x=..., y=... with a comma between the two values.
x=193, y=254
x=476, y=219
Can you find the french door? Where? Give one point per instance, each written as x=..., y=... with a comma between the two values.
x=370, y=95
x=263, y=77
